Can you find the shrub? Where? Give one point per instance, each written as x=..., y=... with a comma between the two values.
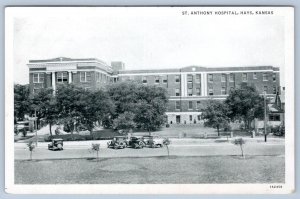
x=167, y=125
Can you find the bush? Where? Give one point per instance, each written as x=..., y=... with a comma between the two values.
x=167, y=125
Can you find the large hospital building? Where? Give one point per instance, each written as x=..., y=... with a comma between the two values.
x=189, y=87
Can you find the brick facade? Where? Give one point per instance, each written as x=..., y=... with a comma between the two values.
x=189, y=87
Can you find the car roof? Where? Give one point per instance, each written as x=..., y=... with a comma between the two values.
x=57, y=139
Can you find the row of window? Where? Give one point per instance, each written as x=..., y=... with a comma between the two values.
x=244, y=77
x=63, y=77
x=211, y=91
x=224, y=92
x=190, y=105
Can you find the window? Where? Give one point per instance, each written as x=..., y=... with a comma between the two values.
x=223, y=78
x=85, y=76
x=265, y=89
x=274, y=90
x=144, y=80
x=190, y=92
x=191, y=118
x=190, y=105
x=245, y=77
x=177, y=92
x=210, y=91
x=274, y=77
x=274, y=117
x=198, y=78
x=177, y=78
x=223, y=91
x=157, y=80
x=199, y=117
x=265, y=77
x=62, y=77
x=210, y=77
x=177, y=105
x=165, y=79
x=190, y=78
x=38, y=77
x=254, y=76
x=231, y=77
x=198, y=91
x=198, y=105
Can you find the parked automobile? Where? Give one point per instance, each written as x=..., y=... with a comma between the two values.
x=153, y=141
x=56, y=144
x=118, y=142
x=136, y=142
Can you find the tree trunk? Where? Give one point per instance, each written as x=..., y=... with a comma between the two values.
x=218, y=129
x=50, y=128
x=30, y=155
x=97, y=156
x=149, y=132
x=242, y=150
x=168, y=150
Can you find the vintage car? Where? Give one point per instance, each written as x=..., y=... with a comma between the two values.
x=118, y=142
x=153, y=141
x=56, y=144
x=136, y=142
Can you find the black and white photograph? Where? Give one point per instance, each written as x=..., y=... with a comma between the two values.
x=149, y=100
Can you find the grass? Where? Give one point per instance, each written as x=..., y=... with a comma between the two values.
x=161, y=170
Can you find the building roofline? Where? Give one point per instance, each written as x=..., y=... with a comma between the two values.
x=201, y=69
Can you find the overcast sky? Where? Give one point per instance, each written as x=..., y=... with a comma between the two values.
x=148, y=38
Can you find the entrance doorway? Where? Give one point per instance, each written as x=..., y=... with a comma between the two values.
x=178, y=119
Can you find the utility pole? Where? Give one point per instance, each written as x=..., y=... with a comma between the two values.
x=35, y=129
x=265, y=118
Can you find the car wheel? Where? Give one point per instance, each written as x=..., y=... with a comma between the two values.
x=59, y=147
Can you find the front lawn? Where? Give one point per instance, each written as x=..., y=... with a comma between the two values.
x=152, y=170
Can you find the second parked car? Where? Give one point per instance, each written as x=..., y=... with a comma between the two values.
x=136, y=142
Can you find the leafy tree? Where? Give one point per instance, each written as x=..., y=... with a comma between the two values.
x=245, y=104
x=240, y=142
x=44, y=104
x=124, y=122
x=152, y=106
x=71, y=102
x=31, y=147
x=124, y=95
x=215, y=115
x=147, y=103
x=167, y=142
x=21, y=101
x=98, y=107
x=96, y=148
x=82, y=107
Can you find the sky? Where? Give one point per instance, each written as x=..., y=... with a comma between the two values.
x=146, y=38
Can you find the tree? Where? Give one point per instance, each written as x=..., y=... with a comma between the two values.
x=152, y=106
x=245, y=104
x=71, y=102
x=124, y=122
x=96, y=148
x=240, y=142
x=147, y=103
x=215, y=115
x=31, y=147
x=79, y=107
x=21, y=101
x=44, y=104
x=167, y=142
